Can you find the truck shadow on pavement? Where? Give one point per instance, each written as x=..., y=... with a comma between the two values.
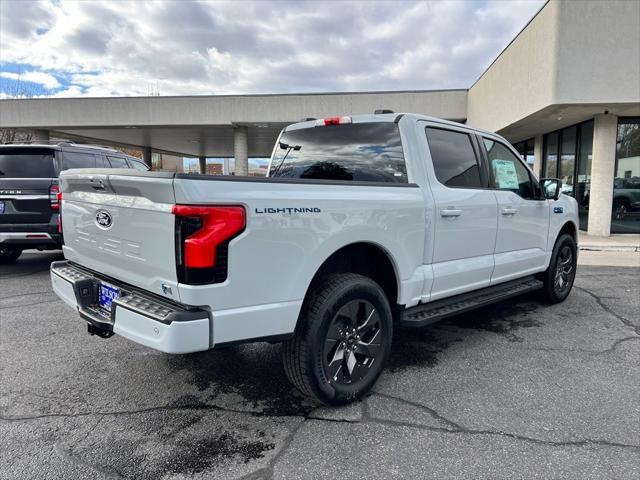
x=30, y=262
x=420, y=347
x=255, y=373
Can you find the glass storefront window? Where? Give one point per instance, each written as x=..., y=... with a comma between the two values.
x=583, y=178
x=625, y=216
x=551, y=155
x=525, y=149
x=529, y=154
x=568, y=159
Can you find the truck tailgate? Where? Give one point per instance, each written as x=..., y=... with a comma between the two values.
x=119, y=223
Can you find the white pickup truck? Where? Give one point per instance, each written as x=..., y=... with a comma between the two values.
x=364, y=223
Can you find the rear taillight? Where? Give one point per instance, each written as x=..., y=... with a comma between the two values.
x=59, y=198
x=333, y=121
x=203, y=233
x=54, y=190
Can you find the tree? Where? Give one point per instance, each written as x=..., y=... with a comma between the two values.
x=19, y=89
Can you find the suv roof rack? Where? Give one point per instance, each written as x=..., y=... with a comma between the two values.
x=382, y=111
x=60, y=143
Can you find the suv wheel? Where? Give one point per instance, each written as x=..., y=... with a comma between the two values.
x=9, y=255
x=559, y=277
x=342, y=340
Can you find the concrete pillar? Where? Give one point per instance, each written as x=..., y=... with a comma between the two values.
x=146, y=156
x=40, y=136
x=241, y=150
x=537, y=155
x=203, y=164
x=225, y=167
x=603, y=165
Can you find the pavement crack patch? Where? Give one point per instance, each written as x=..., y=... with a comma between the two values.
x=64, y=452
x=267, y=472
x=89, y=432
x=561, y=349
x=617, y=343
x=430, y=411
x=44, y=292
x=456, y=428
x=195, y=406
x=625, y=321
x=23, y=274
x=22, y=305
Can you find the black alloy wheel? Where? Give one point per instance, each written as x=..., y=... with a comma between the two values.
x=353, y=343
x=342, y=340
x=564, y=271
x=559, y=277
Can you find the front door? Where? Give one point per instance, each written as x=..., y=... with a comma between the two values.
x=523, y=216
x=465, y=216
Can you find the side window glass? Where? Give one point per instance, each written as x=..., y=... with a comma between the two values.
x=508, y=170
x=454, y=159
x=138, y=165
x=78, y=160
x=117, y=162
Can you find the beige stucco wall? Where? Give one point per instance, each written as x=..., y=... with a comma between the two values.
x=598, y=58
x=572, y=52
x=522, y=79
x=56, y=113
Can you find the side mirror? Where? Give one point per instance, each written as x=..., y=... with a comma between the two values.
x=552, y=188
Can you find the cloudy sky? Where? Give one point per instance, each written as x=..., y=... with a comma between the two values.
x=92, y=48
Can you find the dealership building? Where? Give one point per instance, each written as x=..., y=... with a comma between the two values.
x=565, y=92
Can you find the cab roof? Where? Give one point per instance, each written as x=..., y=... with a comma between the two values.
x=389, y=117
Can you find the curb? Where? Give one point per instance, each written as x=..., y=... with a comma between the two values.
x=610, y=248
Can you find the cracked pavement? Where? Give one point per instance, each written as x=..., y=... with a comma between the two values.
x=516, y=390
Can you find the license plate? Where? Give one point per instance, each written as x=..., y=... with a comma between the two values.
x=1, y=207
x=108, y=293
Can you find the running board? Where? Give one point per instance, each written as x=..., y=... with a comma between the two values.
x=431, y=312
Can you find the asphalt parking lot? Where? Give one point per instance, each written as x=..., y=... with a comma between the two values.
x=518, y=390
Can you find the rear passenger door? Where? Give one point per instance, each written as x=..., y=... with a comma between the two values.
x=465, y=217
x=523, y=214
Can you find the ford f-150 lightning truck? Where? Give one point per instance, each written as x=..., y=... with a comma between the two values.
x=363, y=224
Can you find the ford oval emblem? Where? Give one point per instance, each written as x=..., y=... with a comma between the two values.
x=103, y=219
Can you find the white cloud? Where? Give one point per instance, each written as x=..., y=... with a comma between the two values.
x=128, y=47
x=47, y=81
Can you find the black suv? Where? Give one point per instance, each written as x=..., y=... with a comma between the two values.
x=29, y=190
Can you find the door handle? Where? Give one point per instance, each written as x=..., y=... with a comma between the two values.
x=450, y=212
x=509, y=211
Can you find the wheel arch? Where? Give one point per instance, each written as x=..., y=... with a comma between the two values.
x=365, y=258
x=569, y=228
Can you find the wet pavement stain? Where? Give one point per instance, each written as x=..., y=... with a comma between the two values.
x=503, y=319
x=254, y=372
x=171, y=443
x=196, y=457
x=416, y=347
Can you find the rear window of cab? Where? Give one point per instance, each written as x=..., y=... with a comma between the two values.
x=360, y=152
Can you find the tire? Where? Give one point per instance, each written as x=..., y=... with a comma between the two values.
x=559, y=277
x=9, y=255
x=342, y=340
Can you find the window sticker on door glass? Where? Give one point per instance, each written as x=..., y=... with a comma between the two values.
x=505, y=173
